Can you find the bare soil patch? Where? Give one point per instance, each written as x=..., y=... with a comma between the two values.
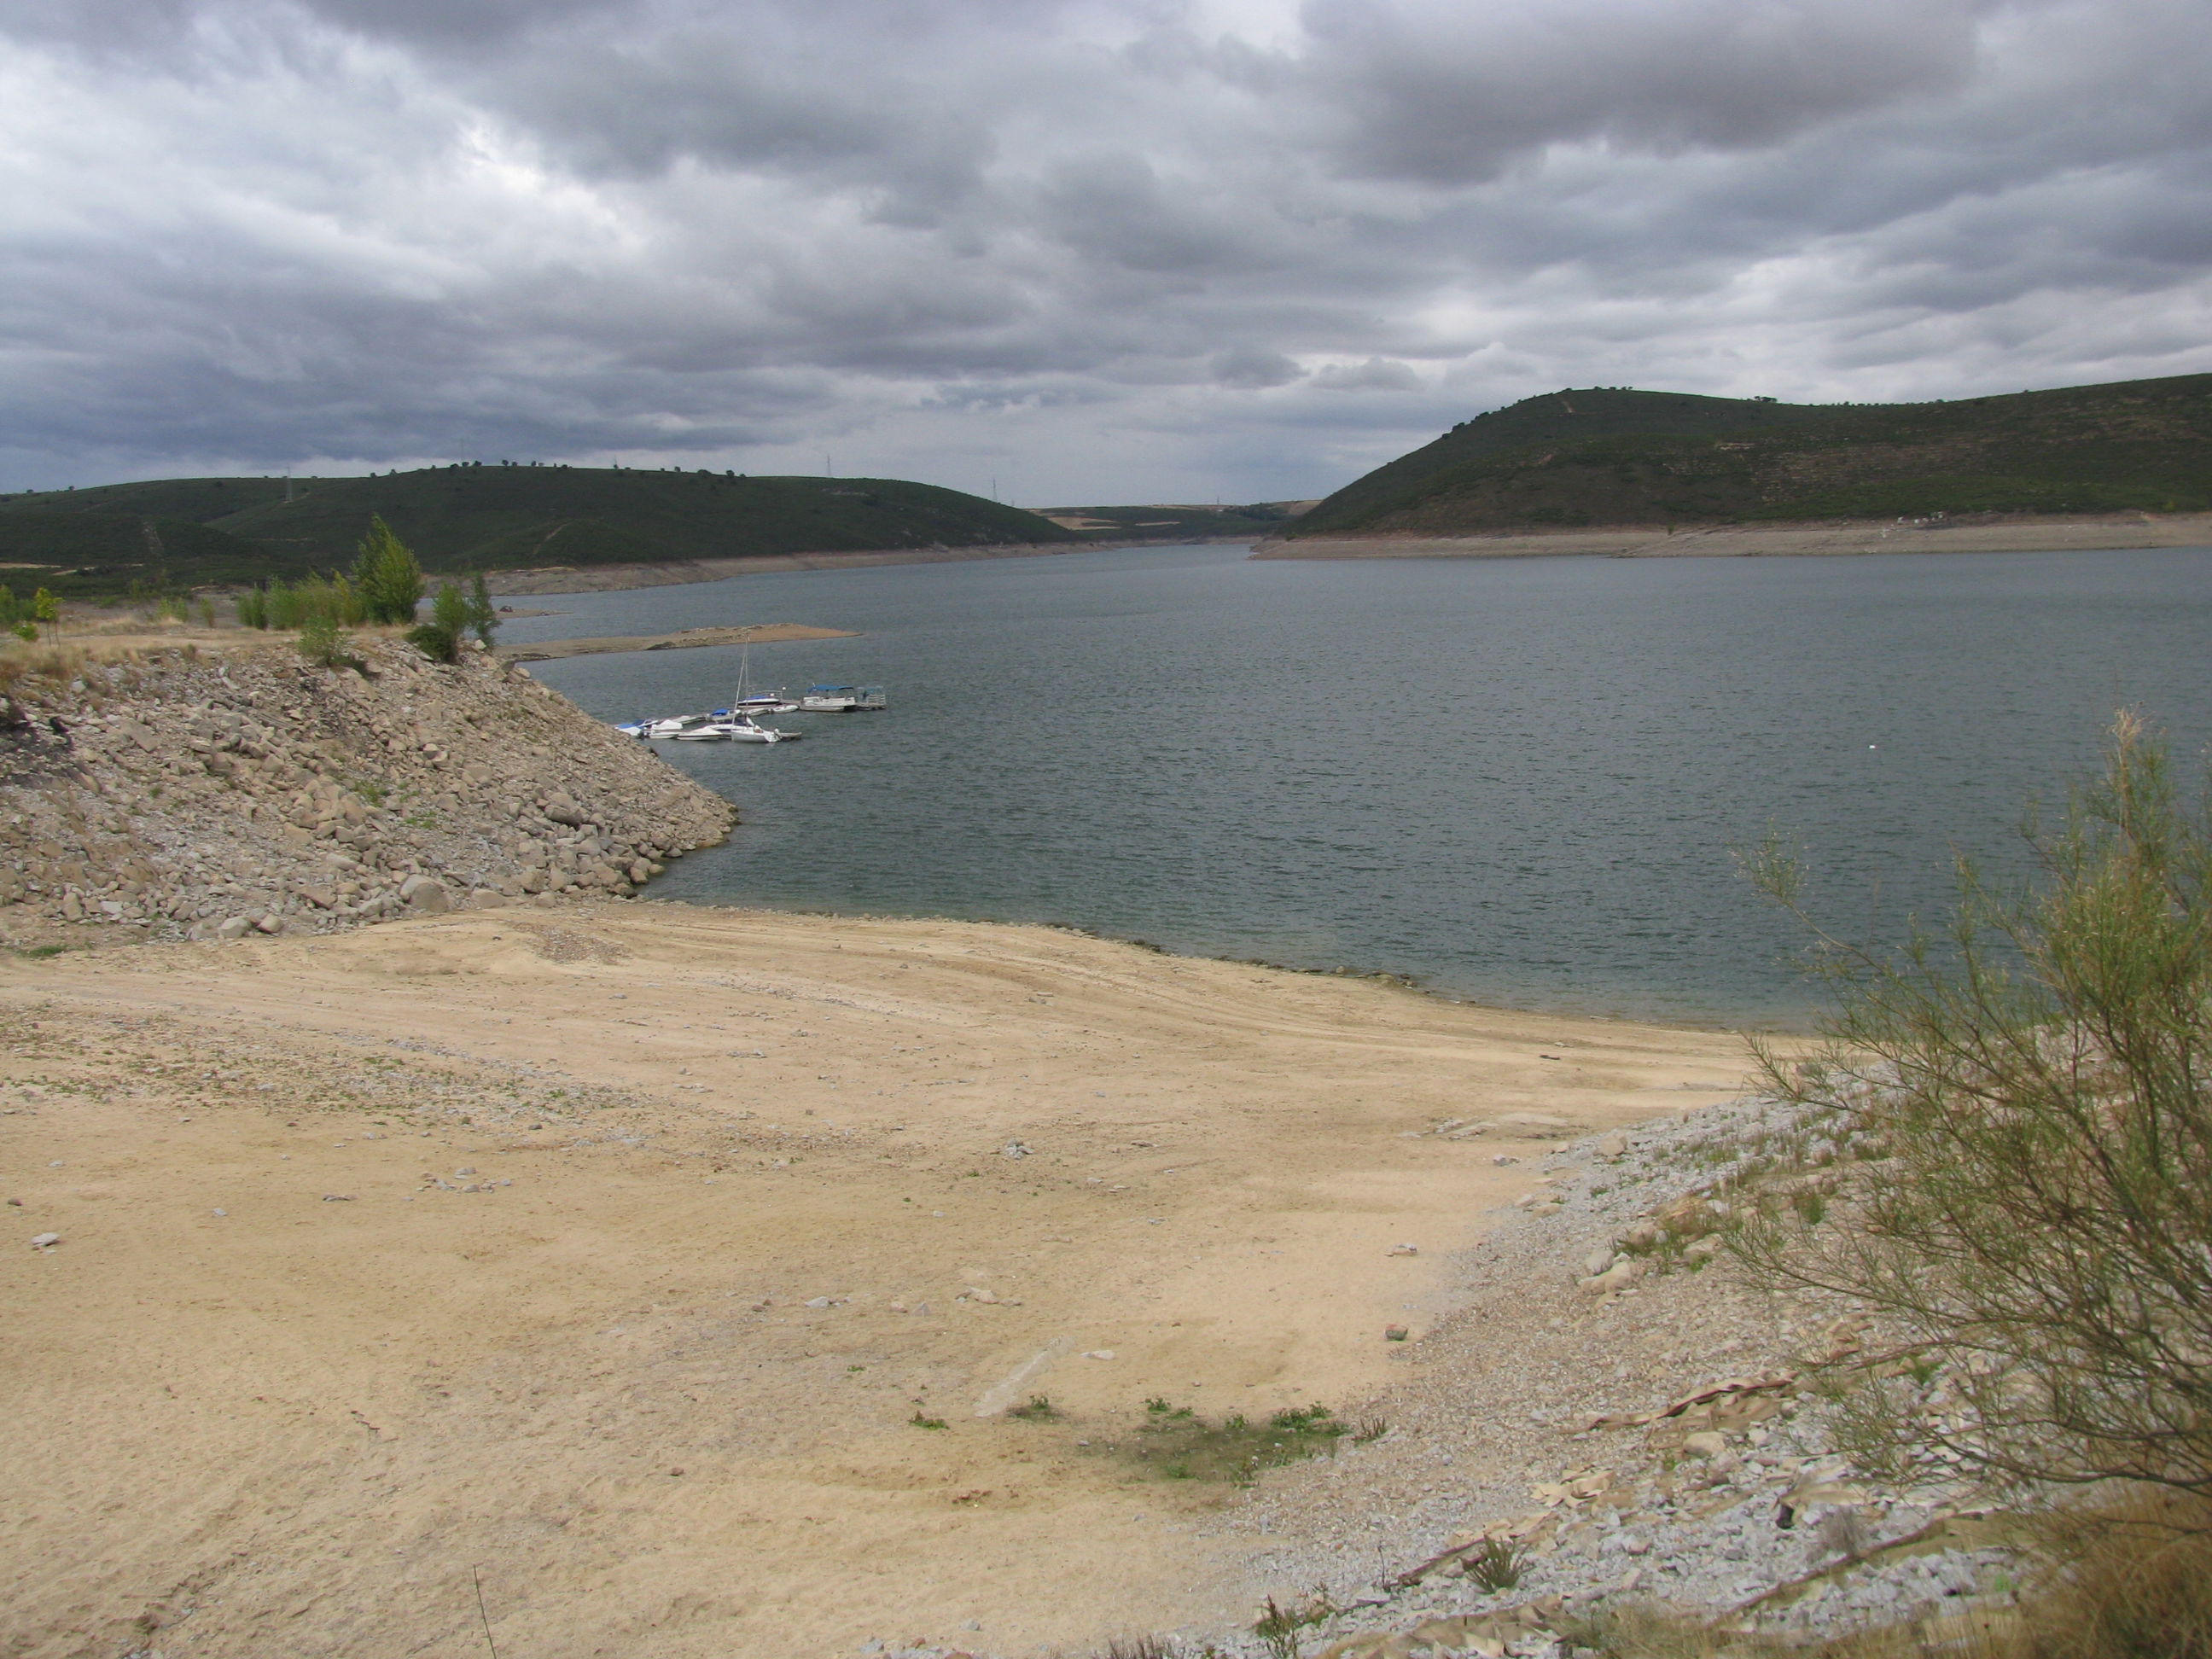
x=612, y=1253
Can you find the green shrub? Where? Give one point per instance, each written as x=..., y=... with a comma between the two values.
x=386, y=575
x=2040, y=1080
x=440, y=638
x=326, y=645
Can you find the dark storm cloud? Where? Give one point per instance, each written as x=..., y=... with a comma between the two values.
x=1113, y=248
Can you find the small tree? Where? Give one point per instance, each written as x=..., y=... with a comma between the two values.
x=46, y=610
x=387, y=576
x=484, y=614
x=2035, y=1091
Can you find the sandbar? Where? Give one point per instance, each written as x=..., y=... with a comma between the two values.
x=685, y=638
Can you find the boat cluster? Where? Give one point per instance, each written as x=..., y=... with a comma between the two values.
x=740, y=722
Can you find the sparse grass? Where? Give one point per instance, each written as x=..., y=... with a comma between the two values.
x=1139, y=1647
x=1181, y=1445
x=920, y=1421
x=40, y=952
x=1279, y=1625
x=1038, y=1408
x=1497, y=1565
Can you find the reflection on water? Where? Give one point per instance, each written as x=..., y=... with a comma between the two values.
x=1520, y=781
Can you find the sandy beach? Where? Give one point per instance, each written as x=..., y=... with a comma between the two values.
x=610, y=1254
x=2082, y=533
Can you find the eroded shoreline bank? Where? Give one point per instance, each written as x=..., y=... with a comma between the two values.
x=2105, y=532
x=193, y=791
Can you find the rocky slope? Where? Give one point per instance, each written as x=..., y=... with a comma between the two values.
x=1636, y=1433
x=201, y=794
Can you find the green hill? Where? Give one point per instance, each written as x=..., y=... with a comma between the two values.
x=1616, y=456
x=77, y=553
x=484, y=517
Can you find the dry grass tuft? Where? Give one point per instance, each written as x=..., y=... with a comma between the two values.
x=2132, y=1580
x=2135, y=1583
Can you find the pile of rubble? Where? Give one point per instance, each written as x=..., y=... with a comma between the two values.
x=206, y=794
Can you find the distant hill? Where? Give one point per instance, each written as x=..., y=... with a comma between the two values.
x=73, y=553
x=1612, y=455
x=1170, y=524
x=233, y=530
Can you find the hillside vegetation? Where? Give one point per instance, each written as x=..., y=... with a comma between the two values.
x=184, y=532
x=1612, y=455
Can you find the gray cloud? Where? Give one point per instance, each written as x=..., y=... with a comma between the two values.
x=1111, y=249
x=1447, y=93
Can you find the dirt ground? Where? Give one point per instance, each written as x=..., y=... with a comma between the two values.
x=618, y=1262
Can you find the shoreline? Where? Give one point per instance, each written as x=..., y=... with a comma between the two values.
x=676, y=572
x=1814, y=538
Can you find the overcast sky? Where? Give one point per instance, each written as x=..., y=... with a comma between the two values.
x=1104, y=251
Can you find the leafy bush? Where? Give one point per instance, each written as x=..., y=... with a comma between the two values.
x=387, y=575
x=2035, y=1089
x=326, y=645
x=440, y=638
x=435, y=642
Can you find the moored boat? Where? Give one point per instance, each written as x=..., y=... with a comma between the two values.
x=732, y=728
x=842, y=699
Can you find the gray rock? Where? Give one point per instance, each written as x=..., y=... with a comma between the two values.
x=422, y=893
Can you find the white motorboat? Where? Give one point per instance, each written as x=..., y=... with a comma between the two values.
x=745, y=731
x=676, y=726
x=632, y=728
x=733, y=729
x=842, y=699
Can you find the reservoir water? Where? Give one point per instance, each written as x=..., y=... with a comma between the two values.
x=1521, y=781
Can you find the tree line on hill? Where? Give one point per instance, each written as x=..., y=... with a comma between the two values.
x=1609, y=455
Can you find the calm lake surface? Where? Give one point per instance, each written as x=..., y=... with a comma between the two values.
x=1519, y=780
